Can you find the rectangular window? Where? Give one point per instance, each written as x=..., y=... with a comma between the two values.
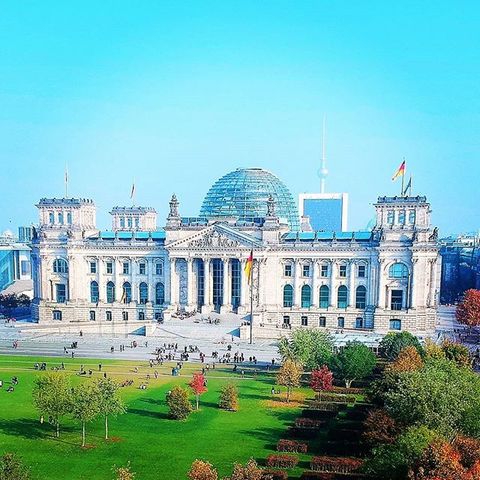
x=25, y=267
x=322, y=321
x=390, y=217
x=361, y=271
x=125, y=315
x=159, y=268
x=93, y=267
x=286, y=320
x=137, y=223
x=51, y=218
x=401, y=217
x=158, y=316
x=60, y=218
x=359, y=322
x=306, y=270
x=396, y=302
x=411, y=217
x=61, y=293
x=341, y=322
x=288, y=270
x=324, y=271
x=57, y=315
x=342, y=271
x=92, y=315
x=108, y=315
x=129, y=222
x=142, y=268
x=395, y=324
x=122, y=222
x=141, y=315
x=126, y=268
x=110, y=267
x=304, y=321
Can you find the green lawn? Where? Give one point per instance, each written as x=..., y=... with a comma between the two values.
x=156, y=446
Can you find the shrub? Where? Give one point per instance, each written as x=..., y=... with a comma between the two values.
x=202, y=471
x=335, y=464
x=335, y=397
x=320, y=414
x=229, y=398
x=327, y=406
x=321, y=379
x=178, y=403
x=250, y=471
x=348, y=391
x=380, y=427
x=282, y=461
x=394, y=342
x=293, y=446
x=304, y=433
x=11, y=468
x=270, y=474
x=304, y=422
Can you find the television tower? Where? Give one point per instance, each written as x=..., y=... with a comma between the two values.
x=323, y=172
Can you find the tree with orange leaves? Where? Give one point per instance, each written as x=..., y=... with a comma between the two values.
x=468, y=310
x=408, y=360
x=198, y=386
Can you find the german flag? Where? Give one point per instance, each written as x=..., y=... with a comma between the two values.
x=248, y=266
x=400, y=172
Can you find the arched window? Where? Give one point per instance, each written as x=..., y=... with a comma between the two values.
x=127, y=293
x=398, y=270
x=110, y=292
x=60, y=218
x=94, y=292
x=342, y=297
x=51, y=218
x=361, y=297
x=60, y=266
x=306, y=296
x=69, y=218
x=287, y=296
x=143, y=291
x=159, y=293
x=324, y=296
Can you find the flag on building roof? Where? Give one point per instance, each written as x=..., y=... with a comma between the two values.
x=400, y=172
x=132, y=193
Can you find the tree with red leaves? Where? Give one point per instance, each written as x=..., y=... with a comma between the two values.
x=468, y=310
x=198, y=386
x=322, y=379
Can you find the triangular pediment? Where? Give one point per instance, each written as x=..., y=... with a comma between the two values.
x=215, y=237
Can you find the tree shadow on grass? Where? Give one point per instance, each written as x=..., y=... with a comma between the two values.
x=33, y=430
x=268, y=435
x=148, y=413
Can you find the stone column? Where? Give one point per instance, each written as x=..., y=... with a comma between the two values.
x=381, y=284
x=133, y=279
x=71, y=277
x=190, y=284
x=102, y=285
x=207, y=289
x=227, y=296
x=296, y=285
x=173, y=284
x=333, y=291
x=244, y=287
x=315, y=284
x=117, y=270
x=351, y=284
x=151, y=286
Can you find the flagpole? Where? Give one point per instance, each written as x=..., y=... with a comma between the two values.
x=403, y=176
x=66, y=181
x=411, y=183
x=251, y=301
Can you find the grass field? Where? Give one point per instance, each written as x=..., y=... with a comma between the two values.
x=156, y=446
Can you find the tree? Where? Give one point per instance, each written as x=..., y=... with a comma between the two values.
x=250, y=471
x=178, y=403
x=321, y=379
x=394, y=342
x=355, y=362
x=311, y=348
x=229, y=397
x=124, y=473
x=202, y=471
x=441, y=396
x=85, y=405
x=380, y=427
x=468, y=310
x=457, y=353
x=289, y=376
x=109, y=402
x=11, y=468
x=51, y=396
x=408, y=359
x=432, y=350
x=197, y=384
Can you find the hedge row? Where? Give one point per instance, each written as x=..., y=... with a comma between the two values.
x=304, y=422
x=335, y=464
x=345, y=434
x=285, y=445
x=282, y=461
x=348, y=391
x=335, y=397
x=308, y=475
x=321, y=414
x=327, y=406
x=274, y=474
x=305, y=433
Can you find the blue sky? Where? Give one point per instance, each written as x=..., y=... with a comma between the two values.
x=177, y=94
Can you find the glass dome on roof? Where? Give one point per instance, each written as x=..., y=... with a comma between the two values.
x=244, y=192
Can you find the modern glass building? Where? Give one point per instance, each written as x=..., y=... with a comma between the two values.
x=243, y=194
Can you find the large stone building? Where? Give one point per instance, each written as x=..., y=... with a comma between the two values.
x=380, y=280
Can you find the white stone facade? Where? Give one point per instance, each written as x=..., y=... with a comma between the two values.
x=376, y=281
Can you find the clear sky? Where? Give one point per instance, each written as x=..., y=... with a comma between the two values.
x=178, y=93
